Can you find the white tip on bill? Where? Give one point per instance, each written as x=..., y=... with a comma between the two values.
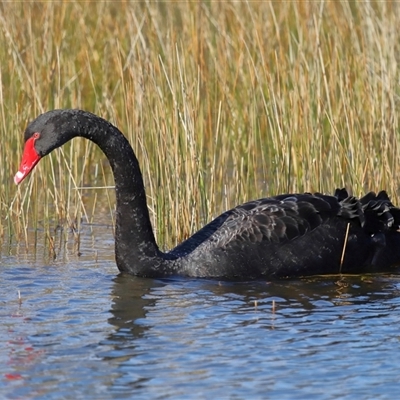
x=18, y=177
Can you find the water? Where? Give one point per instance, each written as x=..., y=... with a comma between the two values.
x=81, y=331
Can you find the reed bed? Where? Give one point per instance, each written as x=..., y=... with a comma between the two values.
x=222, y=102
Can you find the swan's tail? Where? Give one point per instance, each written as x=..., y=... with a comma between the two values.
x=375, y=212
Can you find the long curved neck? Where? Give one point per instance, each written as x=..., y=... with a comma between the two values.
x=135, y=246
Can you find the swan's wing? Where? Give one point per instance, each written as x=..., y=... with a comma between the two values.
x=284, y=218
x=276, y=219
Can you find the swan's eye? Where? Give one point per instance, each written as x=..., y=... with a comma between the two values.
x=36, y=135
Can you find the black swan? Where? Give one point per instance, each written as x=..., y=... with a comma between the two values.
x=289, y=235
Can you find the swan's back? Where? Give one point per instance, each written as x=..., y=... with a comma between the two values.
x=294, y=235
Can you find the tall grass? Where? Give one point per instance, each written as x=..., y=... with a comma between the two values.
x=221, y=101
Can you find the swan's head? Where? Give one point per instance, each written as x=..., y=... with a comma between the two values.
x=47, y=132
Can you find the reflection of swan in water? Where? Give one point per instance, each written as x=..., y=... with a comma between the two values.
x=130, y=301
x=134, y=298
x=172, y=332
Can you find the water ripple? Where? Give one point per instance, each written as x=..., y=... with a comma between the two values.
x=81, y=331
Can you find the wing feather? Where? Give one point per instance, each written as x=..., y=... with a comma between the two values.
x=286, y=217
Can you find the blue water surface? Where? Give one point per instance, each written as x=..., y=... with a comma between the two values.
x=72, y=328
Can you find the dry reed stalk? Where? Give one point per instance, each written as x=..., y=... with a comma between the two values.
x=222, y=102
